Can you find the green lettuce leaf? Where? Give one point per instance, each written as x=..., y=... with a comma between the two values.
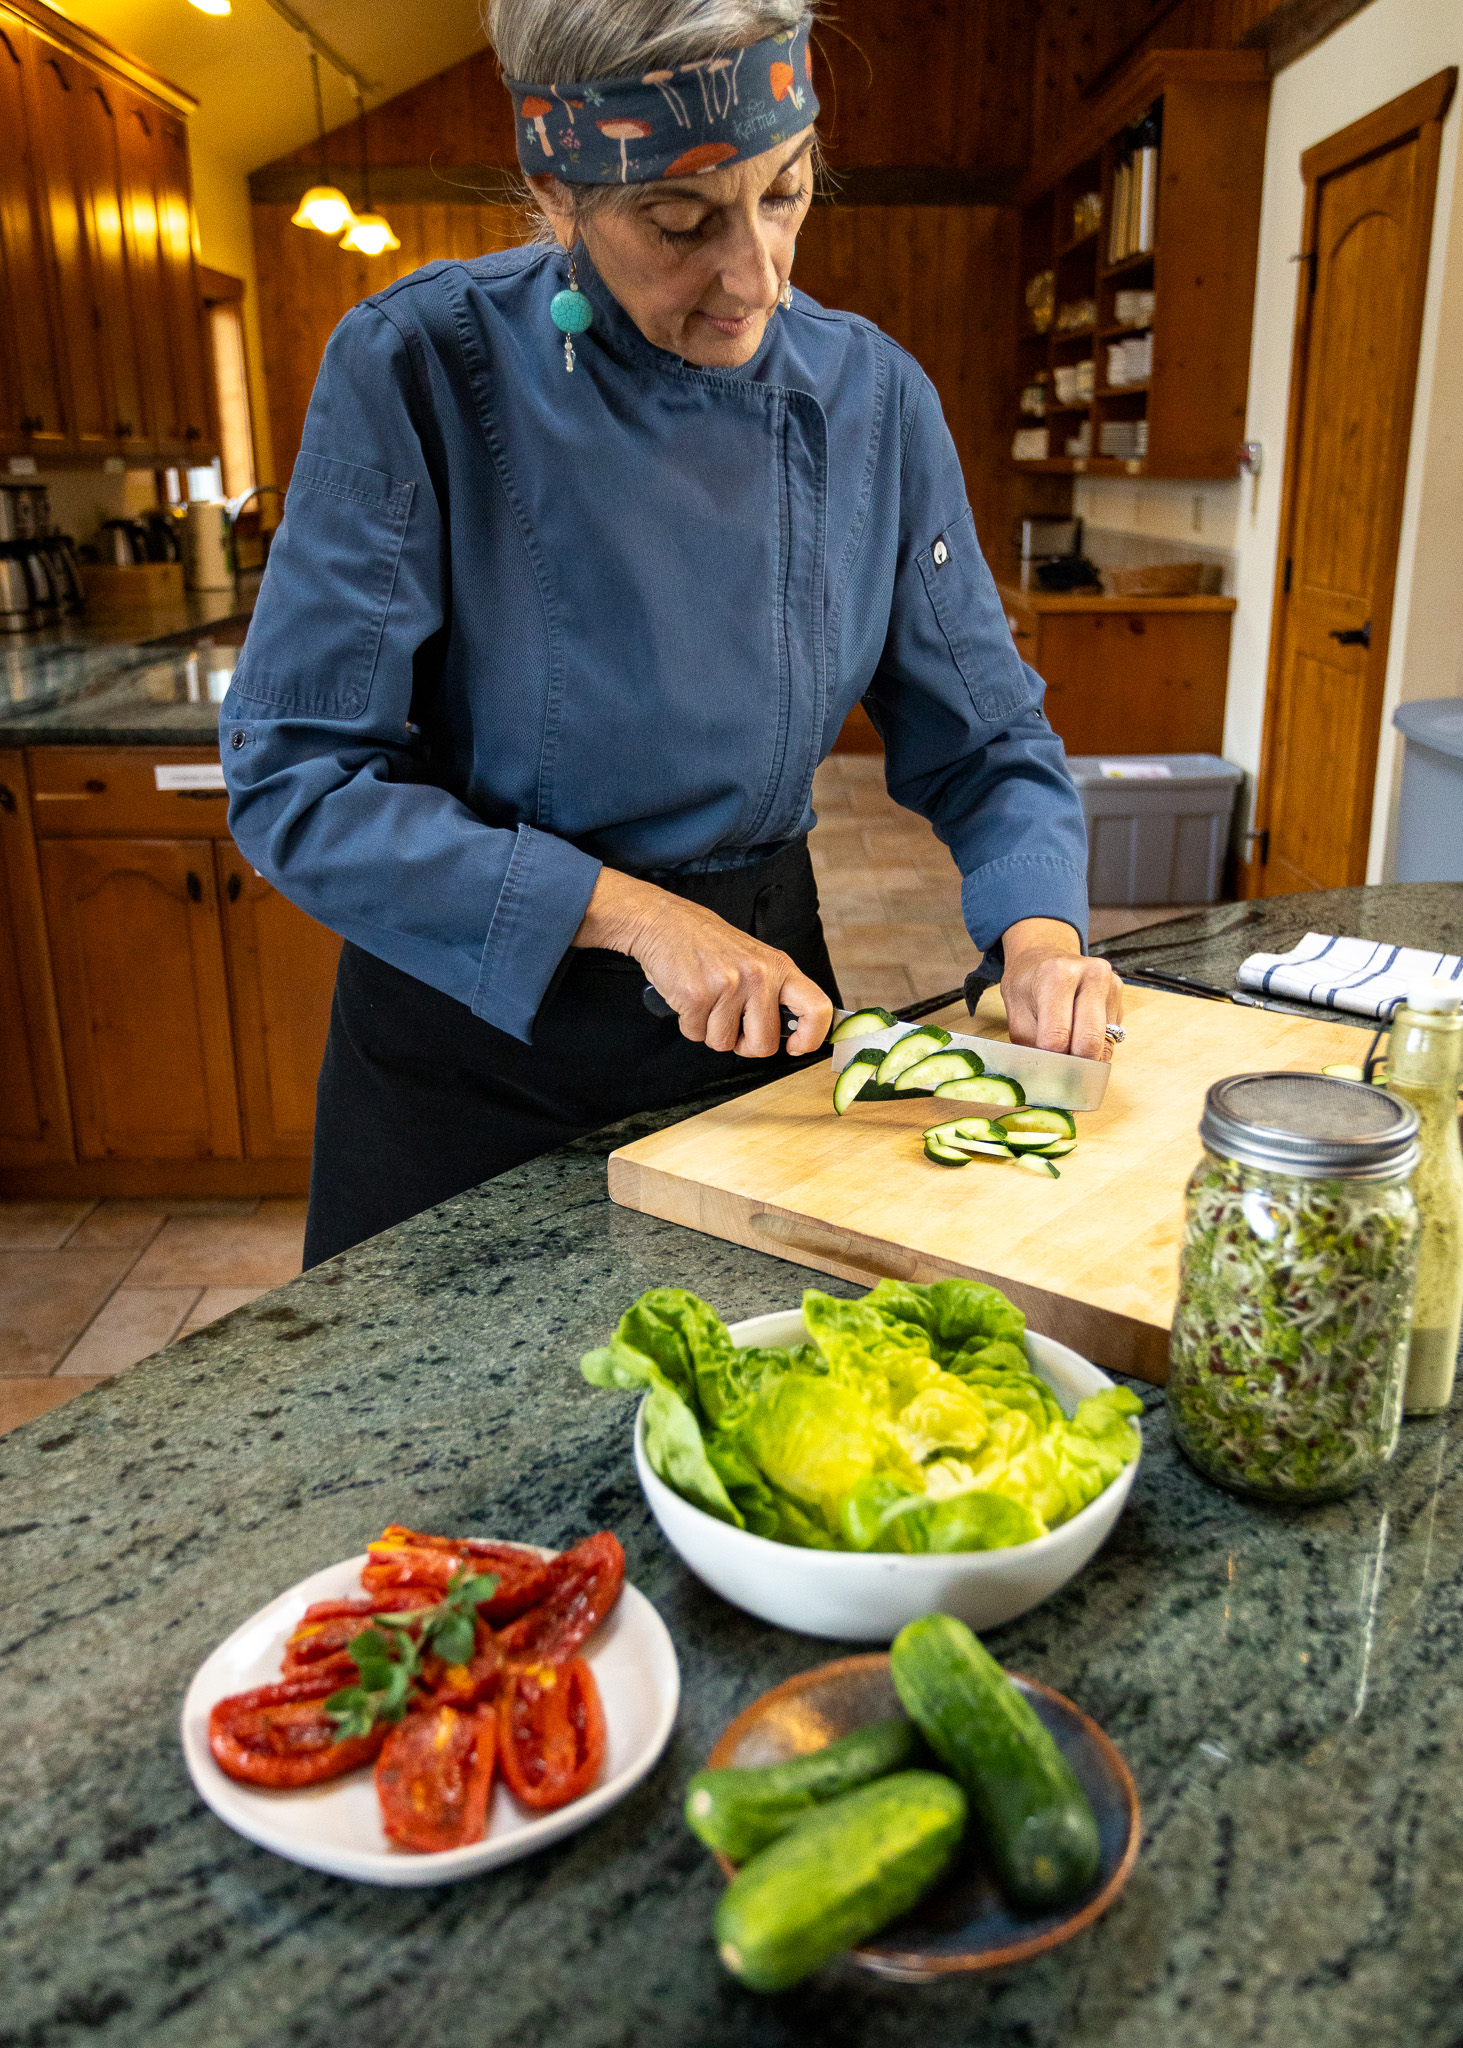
x=674, y=1446
x=965, y=1521
x=954, y=1314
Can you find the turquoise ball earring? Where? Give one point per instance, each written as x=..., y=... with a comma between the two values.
x=572, y=314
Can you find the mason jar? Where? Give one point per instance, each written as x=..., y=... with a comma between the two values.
x=1289, y=1347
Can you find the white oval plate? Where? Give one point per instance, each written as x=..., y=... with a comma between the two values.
x=336, y=1827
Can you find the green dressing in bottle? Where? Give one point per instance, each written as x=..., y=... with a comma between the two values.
x=1424, y=1061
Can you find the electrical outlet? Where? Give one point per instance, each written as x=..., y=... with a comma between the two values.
x=1196, y=514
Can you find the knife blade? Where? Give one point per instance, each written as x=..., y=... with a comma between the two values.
x=1055, y=1080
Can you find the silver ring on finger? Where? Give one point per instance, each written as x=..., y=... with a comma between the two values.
x=1114, y=1033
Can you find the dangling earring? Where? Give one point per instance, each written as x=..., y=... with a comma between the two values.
x=784, y=297
x=571, y=313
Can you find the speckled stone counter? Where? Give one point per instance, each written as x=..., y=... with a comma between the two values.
x=1287, y=1687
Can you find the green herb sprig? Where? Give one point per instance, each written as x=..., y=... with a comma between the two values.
x=388, y=1658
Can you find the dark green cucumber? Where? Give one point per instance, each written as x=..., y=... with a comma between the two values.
x=740, y=1810
x=1035, y=1817
x=843, y=1872
x=861, y=1024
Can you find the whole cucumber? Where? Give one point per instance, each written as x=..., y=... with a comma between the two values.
x=844, y=1871
x=1037, y=1821
x=741, y=1808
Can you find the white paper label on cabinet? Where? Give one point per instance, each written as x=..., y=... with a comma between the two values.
x=194, y=775
x=1135, y=771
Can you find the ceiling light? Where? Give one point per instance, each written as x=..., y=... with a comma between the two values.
x=212, y=6
x=323, y=207
x=370, y=234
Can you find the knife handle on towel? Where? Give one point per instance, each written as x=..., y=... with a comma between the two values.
x=657, y=1005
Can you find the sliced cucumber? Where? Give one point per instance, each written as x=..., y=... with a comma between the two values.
x=974, y=1127
x=1035, y=1163
x=856, y=1078
x=1027, y=1141
x=945, y=1155
x=925, y=1076
x=1059, y=1149
x=1053, y=1123
x=862, y=1024
x=982, y=1147
x=972, y=1135
x=993, y=1088
x=915, y=1045
x=1342, y=1072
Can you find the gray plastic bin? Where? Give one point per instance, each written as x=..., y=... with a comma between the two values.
x=1430, y=817
x=1159, y=840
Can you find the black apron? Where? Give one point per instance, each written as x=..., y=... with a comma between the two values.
x=418, y=1099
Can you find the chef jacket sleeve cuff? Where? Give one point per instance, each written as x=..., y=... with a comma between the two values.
x=540, y=907
x=1000, y=894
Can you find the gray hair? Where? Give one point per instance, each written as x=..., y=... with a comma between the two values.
x=542, y=40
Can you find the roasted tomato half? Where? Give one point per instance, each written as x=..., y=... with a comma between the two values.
x=551, y=1733
x=466, y=1685
x=434, y=1775
x=403, y=1558
x=281, y=1736
x=584, y=1585
x=324, y=1632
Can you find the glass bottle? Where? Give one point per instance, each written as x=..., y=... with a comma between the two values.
x=1290, y=1334
x=1423, y=1065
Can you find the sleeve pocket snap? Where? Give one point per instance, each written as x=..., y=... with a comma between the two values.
x=964, y=601
x=316, y=636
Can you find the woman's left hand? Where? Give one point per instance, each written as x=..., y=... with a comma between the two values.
x=1055, y=998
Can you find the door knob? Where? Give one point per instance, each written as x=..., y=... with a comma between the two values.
x=195, y=887
x=1355, y=636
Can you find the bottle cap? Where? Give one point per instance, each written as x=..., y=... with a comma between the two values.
x=1434, y=998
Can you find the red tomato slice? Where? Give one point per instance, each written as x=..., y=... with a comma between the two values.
x=466, y=1685
x=282, y=1737
x=325, y=1630
x=434, y=1775
x=584, y=1585
x=402, y=1558
x=551, y=1733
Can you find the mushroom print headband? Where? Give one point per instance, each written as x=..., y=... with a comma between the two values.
x=668, y=124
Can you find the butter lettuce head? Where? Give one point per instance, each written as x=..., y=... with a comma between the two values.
x=912, y=1422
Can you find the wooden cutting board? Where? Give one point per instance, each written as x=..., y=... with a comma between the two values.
x=1092, y=1258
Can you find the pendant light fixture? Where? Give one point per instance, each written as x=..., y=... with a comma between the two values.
x=324, y=207
x=369, y=234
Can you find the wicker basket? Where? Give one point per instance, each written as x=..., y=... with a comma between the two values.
x=1162, y=579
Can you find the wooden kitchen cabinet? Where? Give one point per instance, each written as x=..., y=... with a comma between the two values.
x=137, y=955
x=94, y=155
x=1127, y=675
x=35, y=1118
x=281, y=968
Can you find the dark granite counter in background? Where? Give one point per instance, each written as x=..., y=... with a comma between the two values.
x=1286, y=1685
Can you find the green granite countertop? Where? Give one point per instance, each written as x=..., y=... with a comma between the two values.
x=1286, y=1685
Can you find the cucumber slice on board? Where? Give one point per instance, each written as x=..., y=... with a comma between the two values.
x=1059, y=1149
x=857, y=1077
x=946, y=1155
x=862, y=1024
x=992, y=1088
x=1052, y=1123
x=1035, y=1163
x=966, y=1137
x=915, y=1045
x=1027, y=1141
x=925, y=1076
x=1341, y=1071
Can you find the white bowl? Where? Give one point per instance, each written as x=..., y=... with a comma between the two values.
x=867, y=1597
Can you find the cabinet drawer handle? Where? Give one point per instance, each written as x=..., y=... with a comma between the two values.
x=94, y=786
x=235, y=887
x=7, y=798
x=195, y=888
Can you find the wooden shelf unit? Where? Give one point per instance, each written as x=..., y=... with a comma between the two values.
x=1213, y=106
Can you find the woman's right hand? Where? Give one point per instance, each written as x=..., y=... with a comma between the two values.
x=727, y=988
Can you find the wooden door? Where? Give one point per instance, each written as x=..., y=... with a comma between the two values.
x=35, y=1119
x=281, y=978
x=187, y=329
x=138, y=959
x=1369, y=209
x=139, y=151
x=32, y=412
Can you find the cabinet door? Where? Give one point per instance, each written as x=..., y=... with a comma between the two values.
x=281, y=977
x=35, y=1120
x=32, y=412
x=140, y=151
x=1114, y=676
x=138, y=960
x=187, y=330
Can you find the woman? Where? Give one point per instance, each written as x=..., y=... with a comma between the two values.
x=590, y=549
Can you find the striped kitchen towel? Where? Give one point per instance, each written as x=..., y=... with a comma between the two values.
x=1364, y=975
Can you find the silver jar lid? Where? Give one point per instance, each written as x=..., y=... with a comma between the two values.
x=1311, y=1125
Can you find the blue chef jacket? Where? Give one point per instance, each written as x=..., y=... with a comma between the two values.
x=518, y=623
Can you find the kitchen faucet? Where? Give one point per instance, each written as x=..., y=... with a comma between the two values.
x=234, y=506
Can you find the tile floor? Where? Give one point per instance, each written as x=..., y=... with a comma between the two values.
x=91, y=1289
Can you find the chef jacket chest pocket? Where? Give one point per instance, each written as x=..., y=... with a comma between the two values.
x=964, y=602
x=314, y=646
